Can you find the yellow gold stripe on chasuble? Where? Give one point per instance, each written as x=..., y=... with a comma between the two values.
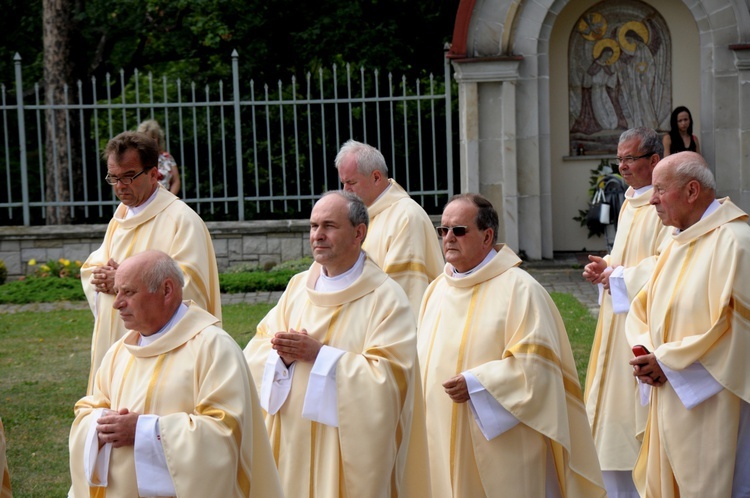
x=123, y=381
x=633, y=224
x=97, y=492
x=739, y=308
x=401, y=378
x=459, y=364
x=195, y=279
x=605, y=369
x=572, y=387
x=229, y=421
x=313, y=443
x=148, y=408
x=133, y=240
x=409, y=266
x=234, y=427
x=687, y=262
x=429, y=351
x=332, y=325
x=275, y=435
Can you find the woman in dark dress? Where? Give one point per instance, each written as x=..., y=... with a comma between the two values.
x=680, y=137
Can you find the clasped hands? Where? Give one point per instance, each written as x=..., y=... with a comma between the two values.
x=117, y=427
x=648, y=371
x=103, y=277
x=295, y=346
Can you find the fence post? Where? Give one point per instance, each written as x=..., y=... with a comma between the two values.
x=22, y=140
x=238, y=136
x=448, y=123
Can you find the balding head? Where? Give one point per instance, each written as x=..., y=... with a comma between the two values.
x=149, y=291
x=684, y=187
x=362, y=170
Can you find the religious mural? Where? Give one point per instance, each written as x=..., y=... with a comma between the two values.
x=619, y=66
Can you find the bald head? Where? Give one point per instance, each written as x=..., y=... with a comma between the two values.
x=684, y=187
x=149, y=291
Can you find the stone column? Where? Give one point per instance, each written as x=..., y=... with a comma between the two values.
x=742, y=62
x=487, y=123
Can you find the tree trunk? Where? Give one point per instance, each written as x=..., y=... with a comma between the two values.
x=57, y=73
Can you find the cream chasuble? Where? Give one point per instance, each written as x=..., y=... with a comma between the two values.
x=696, y=308
x=166, y=224
x=612, y=403
x=499, y=324
x=5, y=490
x=212, y=433
x=402, y=241
x=379, y=448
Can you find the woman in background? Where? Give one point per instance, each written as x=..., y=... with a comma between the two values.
x=680, y=136
x=169, y=175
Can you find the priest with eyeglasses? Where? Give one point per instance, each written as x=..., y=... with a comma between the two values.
x=148, y=217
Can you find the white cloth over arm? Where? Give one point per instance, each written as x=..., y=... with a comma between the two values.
x=95, y=459
x=693, y=385
x=619, y=291
x=151, y=471
x=276, y=383
x=321, y=398
x=489, y=415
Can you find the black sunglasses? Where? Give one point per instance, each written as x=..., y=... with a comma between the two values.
x=458, y=231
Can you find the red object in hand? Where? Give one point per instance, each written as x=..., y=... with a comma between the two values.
x=640, y=350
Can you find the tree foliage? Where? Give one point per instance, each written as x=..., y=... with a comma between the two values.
x=193, y=39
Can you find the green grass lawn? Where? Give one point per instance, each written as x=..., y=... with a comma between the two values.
x=44, y=362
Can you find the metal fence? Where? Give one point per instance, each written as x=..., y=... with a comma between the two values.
x=249, y=151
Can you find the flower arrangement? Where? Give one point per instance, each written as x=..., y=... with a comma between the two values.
x=62, y=268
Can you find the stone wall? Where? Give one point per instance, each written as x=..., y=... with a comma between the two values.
x=256, y=242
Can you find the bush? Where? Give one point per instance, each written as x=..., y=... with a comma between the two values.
x=236, y=283
x=48, y=288
x=251, y=278
x=3, y=272
x=41, y=290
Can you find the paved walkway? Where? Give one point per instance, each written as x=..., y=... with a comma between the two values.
x=561, y=275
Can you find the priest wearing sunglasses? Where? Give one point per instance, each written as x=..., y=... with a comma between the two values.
x=504, y=409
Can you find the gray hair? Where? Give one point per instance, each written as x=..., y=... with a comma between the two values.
x=696, y=169
x=368, y=158
x=357, y=210
x=486, y=215
x=161, y=268
x=650, y=141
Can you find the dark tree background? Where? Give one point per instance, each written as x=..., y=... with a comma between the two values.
x=193, y=39
x=64, y=41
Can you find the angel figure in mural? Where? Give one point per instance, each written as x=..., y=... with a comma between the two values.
x=619, y=73
x=600, y=92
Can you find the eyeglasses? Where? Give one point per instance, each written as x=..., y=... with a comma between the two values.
x=125, y=180
x=632, y=159
x=458, y=231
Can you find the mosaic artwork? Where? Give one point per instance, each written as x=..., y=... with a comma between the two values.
x=619, y=75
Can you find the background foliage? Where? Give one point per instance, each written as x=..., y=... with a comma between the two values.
x=192, y=39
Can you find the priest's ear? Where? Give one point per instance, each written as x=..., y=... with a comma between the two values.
x=693, y=190
x=489, y=237
x=171, y=290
